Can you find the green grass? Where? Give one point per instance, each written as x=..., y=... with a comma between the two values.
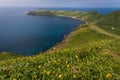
x=111, y=22
x=84, y=55
x=8, y=55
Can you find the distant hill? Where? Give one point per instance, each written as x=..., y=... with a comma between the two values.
x=8, y=55
x=111, y=22
x=41, y=12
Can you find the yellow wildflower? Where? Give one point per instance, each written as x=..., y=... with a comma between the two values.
x=74, y=76
x=48, y=61
x=56, y=62
x=65, y=50
x=35, y=76
x=39, y=67
x=14, y=61
x=44, y=71
x=76, y=56
x=109, y=75
x=48, y=73
x=60, y=76
x=14, y=79
x=68, y=65
x=66, y=62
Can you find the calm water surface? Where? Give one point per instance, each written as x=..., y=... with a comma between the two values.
x=29, y=35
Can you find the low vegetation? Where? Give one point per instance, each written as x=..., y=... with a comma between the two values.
x=85, y=54
x=111, y=22
x=8, y=55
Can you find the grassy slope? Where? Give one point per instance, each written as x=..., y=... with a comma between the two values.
x=8, y=55
x=87, y=53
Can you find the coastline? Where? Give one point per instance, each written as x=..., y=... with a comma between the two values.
x=73, y=17
x=60, y=43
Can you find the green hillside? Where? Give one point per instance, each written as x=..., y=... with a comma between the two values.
x=8, y=55
x=88, y=53
x=111, y=22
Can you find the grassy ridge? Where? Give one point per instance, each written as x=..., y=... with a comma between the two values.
x=8, y=55
x=85, y=54
x=111, y=22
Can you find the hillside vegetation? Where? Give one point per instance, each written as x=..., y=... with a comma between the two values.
x=111, y=22
x=8, y=55
x=88, y=53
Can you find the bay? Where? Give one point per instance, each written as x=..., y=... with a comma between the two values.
x=29, y=35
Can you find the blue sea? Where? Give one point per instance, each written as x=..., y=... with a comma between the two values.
x=28, y=35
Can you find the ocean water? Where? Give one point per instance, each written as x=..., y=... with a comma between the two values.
x=28, y=35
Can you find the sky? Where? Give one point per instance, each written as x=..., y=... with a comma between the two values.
x=59, y=3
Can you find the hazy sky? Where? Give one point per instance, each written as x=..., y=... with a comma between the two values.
x=59, y=3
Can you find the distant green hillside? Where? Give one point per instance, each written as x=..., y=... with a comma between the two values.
x=87, y=53
x=8, y=55
x=111, y=22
